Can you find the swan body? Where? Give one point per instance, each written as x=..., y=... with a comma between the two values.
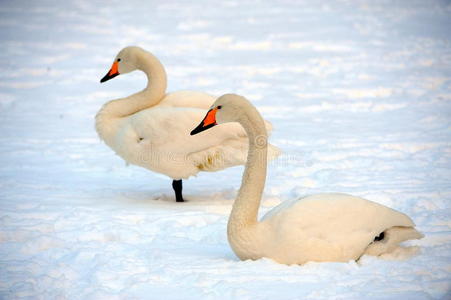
x=323, y=227
x=150, y=128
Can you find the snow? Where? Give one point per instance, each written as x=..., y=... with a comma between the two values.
x=359, y=93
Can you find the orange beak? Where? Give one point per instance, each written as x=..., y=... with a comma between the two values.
x=113, y=72
x=208, y=122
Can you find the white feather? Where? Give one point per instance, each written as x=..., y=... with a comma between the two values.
x=151, y=129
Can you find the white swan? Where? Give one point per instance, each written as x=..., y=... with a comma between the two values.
x=324, y=227
x=151, y=128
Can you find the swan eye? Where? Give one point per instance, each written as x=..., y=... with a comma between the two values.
x=219, y=106
x=118, y=59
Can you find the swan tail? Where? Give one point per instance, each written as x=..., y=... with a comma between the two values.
x=391, y=240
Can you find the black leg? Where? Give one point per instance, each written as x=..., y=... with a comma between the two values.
x=177, y=186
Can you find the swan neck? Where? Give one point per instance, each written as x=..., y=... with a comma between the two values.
x=245, y=208
x=150, y=96
x=108, y=118
x=156, y=76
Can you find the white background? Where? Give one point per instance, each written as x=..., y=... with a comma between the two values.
x=359, y=93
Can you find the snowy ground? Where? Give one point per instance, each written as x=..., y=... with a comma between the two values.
x=360, y=97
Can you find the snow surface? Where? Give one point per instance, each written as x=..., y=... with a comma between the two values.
x=359, y=93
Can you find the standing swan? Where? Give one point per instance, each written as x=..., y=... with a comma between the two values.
x=150, y=128
x=323, y=227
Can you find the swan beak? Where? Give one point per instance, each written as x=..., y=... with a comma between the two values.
x=113, y=72
x=208, y=122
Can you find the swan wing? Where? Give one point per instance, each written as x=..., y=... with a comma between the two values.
x=171, y=126
x=194, y=99
x=337, y=226
x=166, y=130
x=191, y=99
x=159, y=139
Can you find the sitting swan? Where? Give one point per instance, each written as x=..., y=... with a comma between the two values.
x=150, y=128
x=323, y=227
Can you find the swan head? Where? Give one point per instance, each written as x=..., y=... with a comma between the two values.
x=227, y=108
x=126, y=61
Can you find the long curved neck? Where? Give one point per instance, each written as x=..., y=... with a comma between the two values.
x=150, y=96
x=245, y=208
x=155, y=90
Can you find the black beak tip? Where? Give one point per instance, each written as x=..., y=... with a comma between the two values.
x=196, y=130
x=108, y=77
x=201, y=128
